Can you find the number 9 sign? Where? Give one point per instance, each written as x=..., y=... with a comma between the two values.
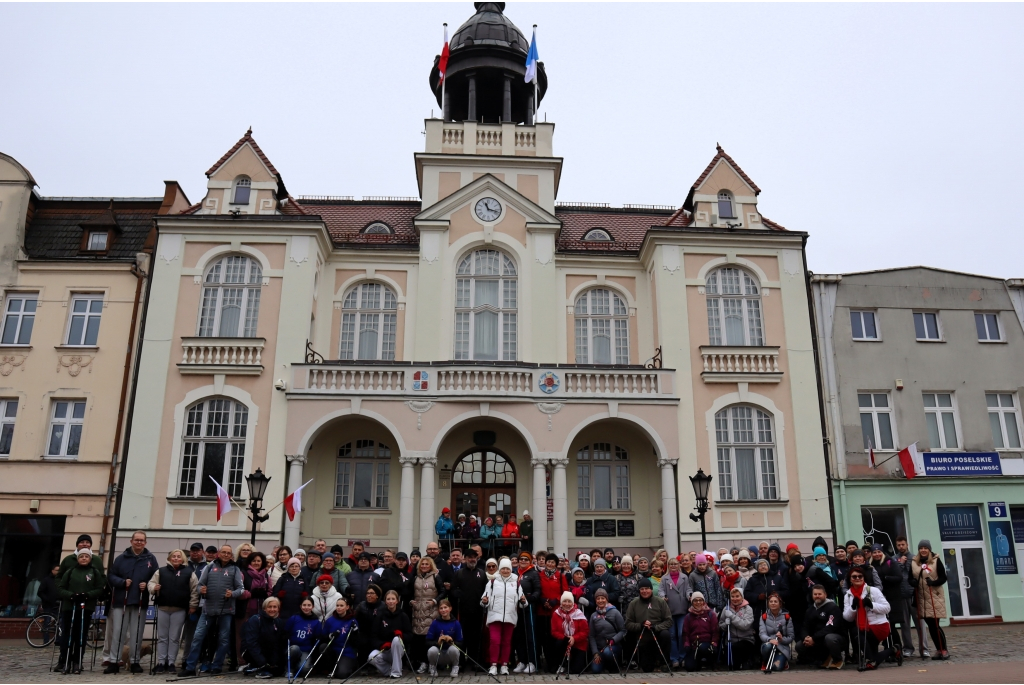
x=997, y=510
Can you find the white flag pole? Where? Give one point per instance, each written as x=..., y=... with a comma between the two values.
x=536, y=79
x=444, y=76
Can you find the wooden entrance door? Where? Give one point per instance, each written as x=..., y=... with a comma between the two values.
x=483, y=484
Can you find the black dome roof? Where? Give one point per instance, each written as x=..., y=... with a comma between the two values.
x=489, y=26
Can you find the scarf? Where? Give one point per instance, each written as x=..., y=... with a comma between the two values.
x=550, y=572
x=675, y=577
x=568, y=627
x=827, y=568
x=737, y=607
x=862, y=613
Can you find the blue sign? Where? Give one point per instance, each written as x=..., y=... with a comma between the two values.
x=962, y=464
x=1004, y=558
x=997, y=510
x=958, y=524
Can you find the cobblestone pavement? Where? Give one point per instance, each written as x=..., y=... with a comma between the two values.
x=990, y=653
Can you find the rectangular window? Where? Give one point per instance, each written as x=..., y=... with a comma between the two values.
x=84, y=328
x=926, y=325
x=864, y=325
x=940, y=418
x=66, y=423
x=583, y=485
x=882, y=525
x=19, y=317
x=1004, y=417
x=97, y=241
x=876, y=420
x=8, y=414
x=602, y=479
x=988, y=327
x=362, y=484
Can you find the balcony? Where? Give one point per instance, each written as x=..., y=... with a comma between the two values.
x=740, y=364
x=471, y=138
x=482, y=380
x=231, y=356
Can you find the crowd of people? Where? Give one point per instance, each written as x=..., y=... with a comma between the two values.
x=456, y=607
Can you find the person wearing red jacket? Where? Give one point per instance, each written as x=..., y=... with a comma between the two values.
x=571, y=632
x=552, y=584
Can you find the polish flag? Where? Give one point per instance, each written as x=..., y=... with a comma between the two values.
x=911, y=461
x=442, y=66
x=293, y=502
x=871, y=457
x=223, y=501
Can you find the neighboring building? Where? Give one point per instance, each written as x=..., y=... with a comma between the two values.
x=933, y=357
x=479, y=347
x=74, y=276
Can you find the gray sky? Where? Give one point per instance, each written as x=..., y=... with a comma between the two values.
x=891, y=133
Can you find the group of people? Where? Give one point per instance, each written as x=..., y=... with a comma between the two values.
x=299, y=610
x=494, y=534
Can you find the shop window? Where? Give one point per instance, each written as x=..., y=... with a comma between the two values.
x=31, y=546
x=362, y=475
x=882, y=525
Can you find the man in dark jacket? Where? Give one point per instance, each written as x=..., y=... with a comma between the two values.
x=526, y=531
x=128, y=577
x=400, y=578
x=446, y=574
x=263, y=640
x=360, y=579
x=222, y=584
x=71, y=560
x=824, y=632
x=311, y=571
x=648, y=619
x=468, y=587
x=602, y=578
x=892, y=587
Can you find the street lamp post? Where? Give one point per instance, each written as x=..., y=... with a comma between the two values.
x=257, y=483
x=701, y=486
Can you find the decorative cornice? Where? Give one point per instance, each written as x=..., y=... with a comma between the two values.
x=665, y=461
x=297, y=458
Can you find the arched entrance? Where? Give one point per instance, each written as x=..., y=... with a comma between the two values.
x=483, y=484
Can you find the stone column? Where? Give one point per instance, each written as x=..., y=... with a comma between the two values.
x=669, y=506
x=506, y=103
x=539, y=509
x=471, y=108
x=427, y=513
x=560, y=504
x=407, y=501
x=292, y=528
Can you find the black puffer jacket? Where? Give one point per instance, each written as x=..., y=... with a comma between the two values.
x=358, y=581
x=291, y=590
x=263, y=640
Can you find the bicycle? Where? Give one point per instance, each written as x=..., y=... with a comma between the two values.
x=42, y=630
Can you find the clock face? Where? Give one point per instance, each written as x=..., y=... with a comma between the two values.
x=488, y=209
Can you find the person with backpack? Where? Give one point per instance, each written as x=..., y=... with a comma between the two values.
x=776, y=633
x=502, y=597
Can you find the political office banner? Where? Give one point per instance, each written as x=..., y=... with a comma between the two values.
x=951, y=464
x=1004, y=557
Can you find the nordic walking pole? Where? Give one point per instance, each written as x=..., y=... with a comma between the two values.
x=81, y=637
x=318, y=658
x=303, y=662
x=288, y=660
x=635, y=650
x=660, y=650
x=140, y=628
x=728, y=637
x=405, y=653
x=355, y=627
x=122, y=629
x=152, y=649
x=474, y=662
x=596, y=654
x=771, y=659
x=70, y=640
x=565, y=662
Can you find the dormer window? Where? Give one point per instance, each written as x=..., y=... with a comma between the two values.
x=98, y=241
x=243, y=186
x=378, y=227
x=597, y=235
x=725, y=207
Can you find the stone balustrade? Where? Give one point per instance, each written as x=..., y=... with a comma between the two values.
x=237, y=356
x=740, y=364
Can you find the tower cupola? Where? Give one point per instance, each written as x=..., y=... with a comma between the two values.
x=486, y=68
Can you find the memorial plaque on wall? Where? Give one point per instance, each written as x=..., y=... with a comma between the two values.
x=584, y=529
x=604, y=528
x=625, y=528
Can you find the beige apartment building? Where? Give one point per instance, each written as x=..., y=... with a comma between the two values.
x=74, y=273
x=482, y=347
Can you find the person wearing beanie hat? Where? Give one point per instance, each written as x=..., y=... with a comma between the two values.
x=570, y=633
x=728, y=558
x=583, y=562
x=648, y=627
x=71, y=560
x=503, y=597
x=704, y=579
x=602, y=578
x=526, y=530
x=823, y=572
x=761, y=584
x=325, y=596
x=927, y=576
x=607, y=631
x=82, y=584
x=700, y=633
x=359, y=580
x=445, y=530
x=775, y=560
x=628, y=578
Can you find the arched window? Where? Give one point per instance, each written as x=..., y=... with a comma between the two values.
x=362, y=475
x=484, y=467
x=597, y=235
x=734, y=308
x=486, y=300
x=483, y=484
x=378, y=227
x=602, y=477
x=725, y=206
x=368, y=322
x=243, y=187
x=214, y=448
x=231, y=288
x=746, y=454
x=602, y=328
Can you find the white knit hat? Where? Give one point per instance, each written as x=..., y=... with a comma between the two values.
x=627, y=560
x=84, y=550
x=505, y=563
x=582, y=557
x=568, y=596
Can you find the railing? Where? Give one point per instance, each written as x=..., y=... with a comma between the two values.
x=453, y=137
x=726, y=364
x=488, y=137
x=228, y=355
x=470, y=138
x=526, y=139
x=459, y=379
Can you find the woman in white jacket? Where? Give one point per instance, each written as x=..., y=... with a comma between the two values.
x=865, y=606
x=502, y=598
x=324, y=597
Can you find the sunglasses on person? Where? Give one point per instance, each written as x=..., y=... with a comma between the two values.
x=856, y=576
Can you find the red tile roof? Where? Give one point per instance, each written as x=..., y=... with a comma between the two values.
x=247, y=138
x=627, y=228
x=772, y=225
x=722, y=155
x=680, y=218
x=346, y=220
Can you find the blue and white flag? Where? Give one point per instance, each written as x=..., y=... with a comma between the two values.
x=531, y=59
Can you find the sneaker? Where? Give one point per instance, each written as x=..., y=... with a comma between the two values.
x=205, y=668
x=422, y=669
x=504, y=669
x=215, y=671
x=530, y=668
x=493, y=670
x=827, y=663
x=945, y=655
x=836, y=665
x=185, y=673
x=455, y=671
x=869, y=666
x=675, y=666
x=114, y=668
x=925, y=654
x=520, y=667
x=262, y=675
x=160, y=668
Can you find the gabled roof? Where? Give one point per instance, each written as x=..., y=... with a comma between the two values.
x=736, y=167
x=247, y=138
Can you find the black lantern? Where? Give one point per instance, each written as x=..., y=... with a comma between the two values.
x=257, y=483
x=701, y=487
